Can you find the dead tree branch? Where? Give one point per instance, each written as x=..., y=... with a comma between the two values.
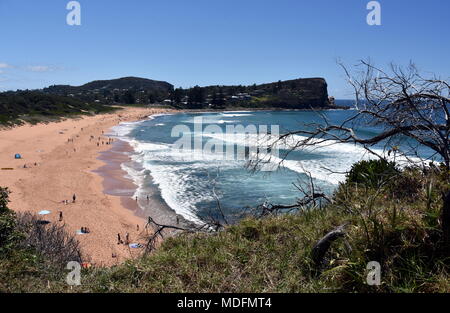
x=402, y=104
x=321, y=247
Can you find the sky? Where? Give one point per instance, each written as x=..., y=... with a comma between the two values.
x=215, y=42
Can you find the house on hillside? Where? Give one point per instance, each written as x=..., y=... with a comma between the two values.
x=331, y=100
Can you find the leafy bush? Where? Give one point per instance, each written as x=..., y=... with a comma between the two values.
x=50, y=241
x=372, y=173
x=8, y=232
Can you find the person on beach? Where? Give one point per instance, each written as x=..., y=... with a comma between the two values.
x=60, y=216
x=119, y=240
x=136, y=199
x=127, y=238
x=74, y=198
x=148, y=198
x=137, y=227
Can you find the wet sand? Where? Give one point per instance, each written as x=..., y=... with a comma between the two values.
x=116, y=182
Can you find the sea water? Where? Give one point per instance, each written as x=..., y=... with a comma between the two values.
x=192, y=181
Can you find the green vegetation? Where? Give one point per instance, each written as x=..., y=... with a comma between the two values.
x=8, y=225
x=31, y=253
x=34, y=107
x=126, y=90
x=372, y=173
x=292, y=94
x=58, y=101
x=397, y=223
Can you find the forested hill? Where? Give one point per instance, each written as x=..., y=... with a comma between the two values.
x=126, y=90
x=35, y=106
x=303, y=93
x=98, y=96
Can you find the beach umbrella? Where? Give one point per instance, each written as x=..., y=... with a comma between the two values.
x=44, y=213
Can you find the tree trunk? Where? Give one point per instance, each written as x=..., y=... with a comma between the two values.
x=322, y=246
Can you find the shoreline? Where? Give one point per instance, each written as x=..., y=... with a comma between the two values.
x=114, y=181
x=118, y=181
x=60, y=159
x=73, y=156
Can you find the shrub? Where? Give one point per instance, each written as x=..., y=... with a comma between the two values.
x=50, y=241
x=372, y=173
x=8, y=232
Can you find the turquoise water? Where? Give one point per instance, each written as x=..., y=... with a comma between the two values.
x=188, y=178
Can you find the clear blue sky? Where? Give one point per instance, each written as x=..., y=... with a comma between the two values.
x=189, y=42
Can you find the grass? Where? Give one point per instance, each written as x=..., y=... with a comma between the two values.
x=400, y=230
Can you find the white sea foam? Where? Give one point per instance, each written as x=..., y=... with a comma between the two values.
x=333, y=159
x=236, y=114
x=136, y=176
x=179, y=190
x=175, y=182
x=176, y=172
x=226, y=112
x=123, y=130
x=141, y=147
x=169, y=183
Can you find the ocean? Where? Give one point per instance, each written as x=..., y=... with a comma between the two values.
x=191, y=180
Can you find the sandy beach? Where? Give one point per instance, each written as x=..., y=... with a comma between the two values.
x=61, y=159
